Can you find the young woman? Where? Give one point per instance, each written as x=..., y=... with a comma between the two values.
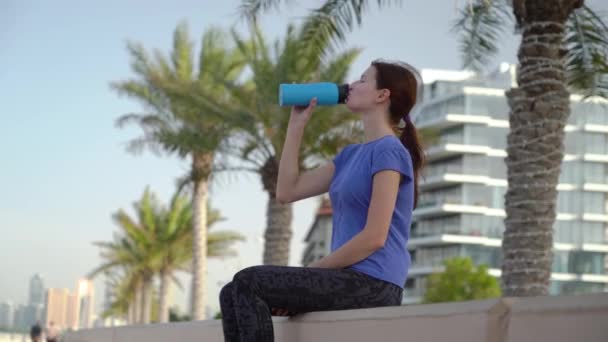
x=373, y=188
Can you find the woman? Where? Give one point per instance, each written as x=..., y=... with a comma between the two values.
x=373, y=188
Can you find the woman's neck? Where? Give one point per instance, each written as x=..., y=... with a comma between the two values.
x=375, y=126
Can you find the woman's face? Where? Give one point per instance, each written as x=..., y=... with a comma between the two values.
x=363, y=94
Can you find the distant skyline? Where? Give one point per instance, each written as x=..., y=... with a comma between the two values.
x=65, y=169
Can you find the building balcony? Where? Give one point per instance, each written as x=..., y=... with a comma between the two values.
x=443, y=209
x=447, y=179
x=451, y=239
x=542, y=319
x=451, y=207
x=425, y=269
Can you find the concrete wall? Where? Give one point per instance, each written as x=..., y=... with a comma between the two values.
x=568, y=318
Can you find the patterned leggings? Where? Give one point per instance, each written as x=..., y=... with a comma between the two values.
x=246, y=302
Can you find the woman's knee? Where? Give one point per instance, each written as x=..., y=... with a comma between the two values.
x=226, y=293
x=246, y=276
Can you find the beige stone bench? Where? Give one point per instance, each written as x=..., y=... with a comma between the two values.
x=551, y=319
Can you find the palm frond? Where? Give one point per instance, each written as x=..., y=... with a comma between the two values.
x=182, y=52
x=587, y=57
x=144, y=93
x=251, y=9
x=337, y=69
x=327, y=26
x=176, y=120
x=140, y=61
x=225, y=236
x=480, y=24
x=102, y=269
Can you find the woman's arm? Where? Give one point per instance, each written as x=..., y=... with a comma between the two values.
x=291, y=186
x=374, y=234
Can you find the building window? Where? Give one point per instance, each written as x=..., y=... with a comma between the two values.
x=595, y=143
x=482, y=255
x=578, y=262
x=437, y=226
x=476, y=194
x=493, y=106
x=596, y=173
x=594, y=202
x=568, y=172
x=475, y=164
x=559, y=287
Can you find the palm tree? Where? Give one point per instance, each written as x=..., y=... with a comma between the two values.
x=174, y=126
x=168, y=235
x=253, y=107
x=133, y=252
x=564, y=47
x=175, y=245
x=326, y=26
x=118, y=283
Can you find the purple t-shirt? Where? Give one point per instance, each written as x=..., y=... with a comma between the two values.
x=350, y=193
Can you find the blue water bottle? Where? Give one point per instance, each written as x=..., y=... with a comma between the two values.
x=300, y=94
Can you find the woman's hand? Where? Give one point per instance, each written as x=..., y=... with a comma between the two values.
x=280, y=312
x=316, y=264
x=300, y=114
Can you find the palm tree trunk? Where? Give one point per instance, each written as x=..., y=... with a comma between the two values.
x=165, y=290
x=277, y=237
x=201, y=167
x=137, y=303
x=540, y=108
x=146, y=300
x=131, y=314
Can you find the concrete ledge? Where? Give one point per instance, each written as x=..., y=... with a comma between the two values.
x=572, y=318
x=564, y=318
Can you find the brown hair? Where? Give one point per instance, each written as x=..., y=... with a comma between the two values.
x=403, y=87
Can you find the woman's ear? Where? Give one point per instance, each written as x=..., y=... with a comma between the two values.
x=383, y=95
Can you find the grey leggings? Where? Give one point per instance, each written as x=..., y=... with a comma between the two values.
x=247, y=300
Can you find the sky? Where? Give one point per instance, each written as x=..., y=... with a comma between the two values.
x=64, y=168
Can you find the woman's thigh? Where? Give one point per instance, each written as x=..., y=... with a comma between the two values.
x=304, y=289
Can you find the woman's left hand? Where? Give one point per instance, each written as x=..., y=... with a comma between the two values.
x=316, y=264
x=280, y=312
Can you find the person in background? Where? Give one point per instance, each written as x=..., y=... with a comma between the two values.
x=52, y=333
x=36, y=332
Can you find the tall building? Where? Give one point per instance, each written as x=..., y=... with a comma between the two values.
x=318, y=238
x=36, y=294
x=7, y=315
x=33, y=313
x=73, y=312
x=461, y=206
x=86, y=294
x=19, y=320
x=56, y=307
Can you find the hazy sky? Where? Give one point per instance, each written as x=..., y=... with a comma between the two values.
x=64, y=167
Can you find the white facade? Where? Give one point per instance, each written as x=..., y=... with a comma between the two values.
x=461, y=206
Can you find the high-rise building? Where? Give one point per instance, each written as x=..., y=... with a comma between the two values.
x=318, y=238
x=33, y=313
x=36, y=294
x=56, y=307
x=19, y=321
x=73, y=312
x=86, y=294
x=7, y=315
x=461, y=206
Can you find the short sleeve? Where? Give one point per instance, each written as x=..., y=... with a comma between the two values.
x=393, y=159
